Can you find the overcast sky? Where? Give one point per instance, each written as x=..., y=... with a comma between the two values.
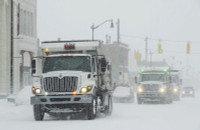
x=173, y=20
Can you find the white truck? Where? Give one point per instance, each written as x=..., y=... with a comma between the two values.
x=176, y=84
x=76, y=78
x=154, y=85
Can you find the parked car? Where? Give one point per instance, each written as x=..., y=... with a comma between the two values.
x=188, y=92
x=123, y=94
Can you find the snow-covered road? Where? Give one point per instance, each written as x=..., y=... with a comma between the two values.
x=181, y=115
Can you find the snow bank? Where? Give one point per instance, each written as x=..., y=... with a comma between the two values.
x=23, y=97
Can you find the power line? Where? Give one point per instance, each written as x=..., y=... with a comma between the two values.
x=161, y=40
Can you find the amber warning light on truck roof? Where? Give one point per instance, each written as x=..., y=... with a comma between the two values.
x=46, y=49
x=68, y=46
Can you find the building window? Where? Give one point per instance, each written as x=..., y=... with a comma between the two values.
x=18, y=19
x=26, y=23
x=31, y=25
x=21, y=21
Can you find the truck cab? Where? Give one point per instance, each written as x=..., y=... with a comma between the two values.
x=154, y=85
x=176, y=84
x=76, y=78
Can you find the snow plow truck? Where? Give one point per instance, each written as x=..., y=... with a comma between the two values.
x=76, y=78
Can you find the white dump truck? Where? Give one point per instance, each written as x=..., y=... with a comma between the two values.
x=154, y=85
x=176, y=84
x=76, y=78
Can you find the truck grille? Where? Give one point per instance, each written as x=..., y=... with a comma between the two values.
x=65, y=84
x=151, y=87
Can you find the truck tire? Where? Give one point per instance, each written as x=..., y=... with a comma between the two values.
x=168, y=100
x=139, y=101
x=92, y=110
x=38, y=112
x=109, y=108
x=131, y=100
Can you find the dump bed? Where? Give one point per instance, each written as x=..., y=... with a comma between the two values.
x=92, y=47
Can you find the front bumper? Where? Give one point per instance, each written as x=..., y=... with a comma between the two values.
x=187, y=95
x=62, y=99
x=148, y=96
x=176, y=95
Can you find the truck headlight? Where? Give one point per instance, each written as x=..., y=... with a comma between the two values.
x=139, y=90
x=175, y=90
x=162, y=90
x=191, y=92
x=37, y=91
x=86, y=89
x=83, y=90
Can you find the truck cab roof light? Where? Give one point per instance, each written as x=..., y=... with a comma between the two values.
x=165, y=70
x=46, y=49
x=141, y=70
x=69, y=46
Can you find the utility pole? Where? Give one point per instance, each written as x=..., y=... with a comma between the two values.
x=146, y=50
x=118, y=31
x=92, y=31
x=151, y=53
x=118, y=52
x=11, y=45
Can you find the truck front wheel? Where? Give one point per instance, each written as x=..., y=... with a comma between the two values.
x=139, y=101
x=38, y=112
x=92, y=110
x=109, y=108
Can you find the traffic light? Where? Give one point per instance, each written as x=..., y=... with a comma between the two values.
x=188, y=48
x=159, y=48
x=137, y=56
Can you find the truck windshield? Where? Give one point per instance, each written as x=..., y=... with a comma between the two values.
x=77, y=63
x=175, y=79
x=152, y=77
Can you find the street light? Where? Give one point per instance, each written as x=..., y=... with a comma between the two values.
x=95, y=27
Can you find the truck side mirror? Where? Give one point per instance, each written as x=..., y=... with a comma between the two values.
x=103, y=64
x=136, y=79
x=109, y=67
x=170, y=79
x=89, y=76
x=33, y=65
